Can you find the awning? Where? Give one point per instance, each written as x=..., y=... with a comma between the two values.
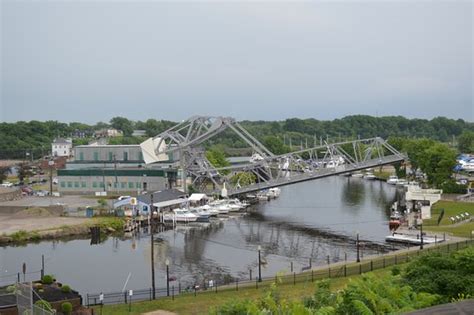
x=168, y=203
x=197, y=197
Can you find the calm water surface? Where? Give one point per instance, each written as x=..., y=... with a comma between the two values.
x=309, y=220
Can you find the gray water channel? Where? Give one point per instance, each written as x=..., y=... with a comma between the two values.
x=309, y=220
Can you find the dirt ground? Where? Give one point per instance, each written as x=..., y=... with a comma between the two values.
x=10, y=223
x=69, y=202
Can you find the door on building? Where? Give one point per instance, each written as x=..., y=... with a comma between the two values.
x=145, y=187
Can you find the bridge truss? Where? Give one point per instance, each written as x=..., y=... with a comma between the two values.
x=267, y=170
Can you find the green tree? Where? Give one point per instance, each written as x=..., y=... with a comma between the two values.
x=445, y=274
x=275, y=145
x=466, y=142
x=123, y=124
x=216, y=157
x=438, y=162
x=243, y=179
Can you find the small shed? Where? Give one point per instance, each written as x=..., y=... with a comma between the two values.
x=198, y=199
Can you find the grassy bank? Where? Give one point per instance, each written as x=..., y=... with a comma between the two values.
x=451, y=209
x=108, y=225
x=291, y=287
x=200, y=304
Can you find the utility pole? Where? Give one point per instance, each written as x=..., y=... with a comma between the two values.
x=51, y=163
x=152, y=247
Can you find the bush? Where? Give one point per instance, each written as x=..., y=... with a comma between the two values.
x=47, y=279
x=66, y=308
x=11, y=289
x=43, y=305
x=395, y=271
x=66, y=289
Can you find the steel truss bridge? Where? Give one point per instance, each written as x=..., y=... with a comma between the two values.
x=265, y=170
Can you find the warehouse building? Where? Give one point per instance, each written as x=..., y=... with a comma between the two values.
x=113, y=169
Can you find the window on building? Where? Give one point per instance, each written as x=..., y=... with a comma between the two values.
x=140, y=156
x=63, y=184
x=81, y=156
x=76, y=184
x=125, y=156
x=94, y=184
x=116, y=185
x=130, y=185
x=96, y=156
x=83, y=184
x=138, y=185
x=111, y=156
x=69, y=184
x=123, y=185
x=101, y=184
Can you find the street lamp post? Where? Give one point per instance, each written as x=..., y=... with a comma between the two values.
x=152, y=247
x=167, y=262
x=358, y=246
x=259, y=264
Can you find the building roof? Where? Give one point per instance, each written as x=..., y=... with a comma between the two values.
x=163, y=195
x=62, y=141
x=108, y=146
x=197, y=197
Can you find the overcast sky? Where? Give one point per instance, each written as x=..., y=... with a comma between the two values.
x=92, y=60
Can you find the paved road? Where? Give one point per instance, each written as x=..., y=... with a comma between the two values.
x=465, y=307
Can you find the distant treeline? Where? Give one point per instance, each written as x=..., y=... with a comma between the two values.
x=21, y=139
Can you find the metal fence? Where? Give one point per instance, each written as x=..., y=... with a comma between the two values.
x=332, y=271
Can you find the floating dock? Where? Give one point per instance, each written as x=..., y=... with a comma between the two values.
x=412, y=239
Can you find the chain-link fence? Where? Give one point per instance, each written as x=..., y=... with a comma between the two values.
x=336, y=270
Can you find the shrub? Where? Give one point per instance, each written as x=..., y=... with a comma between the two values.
x=395, y=271
x=11, y=289
x=65, y=288
x=47, y=279
x=43, y=305
x=66, y=308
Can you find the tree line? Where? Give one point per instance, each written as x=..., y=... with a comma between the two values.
x=35, y=137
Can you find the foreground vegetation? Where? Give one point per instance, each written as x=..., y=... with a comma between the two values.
x=431, y=279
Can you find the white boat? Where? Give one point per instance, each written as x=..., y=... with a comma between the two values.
x=203, y=215
x=392, y=180
x=357, y=175
x=401, y=182
x=210, y=209
x=369, y=176
x=262, y=196
x=180, y=215
x=274, y=192
x=221, y=206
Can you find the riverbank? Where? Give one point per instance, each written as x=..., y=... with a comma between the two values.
x=451, y=209
x=290, y=286
x=57, y=228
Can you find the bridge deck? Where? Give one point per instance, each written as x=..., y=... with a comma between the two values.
x=296, y=177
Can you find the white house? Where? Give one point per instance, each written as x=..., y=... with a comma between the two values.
x=61, y=147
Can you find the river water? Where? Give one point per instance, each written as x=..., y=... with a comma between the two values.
x=313, y=219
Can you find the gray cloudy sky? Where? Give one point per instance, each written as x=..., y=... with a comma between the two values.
x=93, y=60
